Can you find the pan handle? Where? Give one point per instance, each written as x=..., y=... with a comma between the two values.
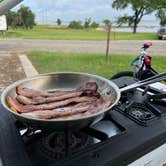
x=147, y=81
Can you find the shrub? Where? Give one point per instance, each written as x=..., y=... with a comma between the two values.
x=94, y=25
x=75, y=25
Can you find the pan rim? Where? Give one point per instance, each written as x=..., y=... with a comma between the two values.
x=8, y=88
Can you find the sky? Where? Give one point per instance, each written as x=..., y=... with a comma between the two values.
x=47, y=11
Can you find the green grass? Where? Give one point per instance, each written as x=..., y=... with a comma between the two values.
x=44, y=32
x=46, y=62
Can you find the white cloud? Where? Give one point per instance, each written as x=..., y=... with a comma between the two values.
x=49, y=10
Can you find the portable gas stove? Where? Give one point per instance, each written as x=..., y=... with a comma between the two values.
x=133, y=134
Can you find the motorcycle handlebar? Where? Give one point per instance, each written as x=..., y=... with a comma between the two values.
x=147, y=45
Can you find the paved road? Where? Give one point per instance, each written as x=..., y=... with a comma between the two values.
x=118, y=47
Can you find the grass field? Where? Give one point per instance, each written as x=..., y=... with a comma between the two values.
x=46, y=62
x=45, y=32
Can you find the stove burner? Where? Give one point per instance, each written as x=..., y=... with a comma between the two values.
x=140, y=112
x=56, y=145
x=53, y=145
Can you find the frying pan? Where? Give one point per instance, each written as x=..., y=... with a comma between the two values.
x=69, y=81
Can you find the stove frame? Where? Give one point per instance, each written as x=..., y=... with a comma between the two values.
x=120, y=150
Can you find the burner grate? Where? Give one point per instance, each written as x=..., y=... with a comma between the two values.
x=56, y=146
x=141, y=113
x=61, y=144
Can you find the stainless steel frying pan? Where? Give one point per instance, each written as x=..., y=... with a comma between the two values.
x=69, y=81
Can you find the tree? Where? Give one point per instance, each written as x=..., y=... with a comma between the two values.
x=12, y=19
x=158, y=4
x=94, y=25
x=161, y=14
x=26, y=17
x=107, y=22
x=9, y=17
x=59, y=22
x=23, y=18
x=140, y=8
x=87, y=23
x=75, y=25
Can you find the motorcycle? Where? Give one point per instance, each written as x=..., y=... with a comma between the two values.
x=142, y=65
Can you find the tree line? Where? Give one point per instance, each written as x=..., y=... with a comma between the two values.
x=140, y=8
x=25, y=18
x=79, y=24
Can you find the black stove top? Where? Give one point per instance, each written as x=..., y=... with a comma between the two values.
x=140, y=105
x=112, y=141
x=139, y=108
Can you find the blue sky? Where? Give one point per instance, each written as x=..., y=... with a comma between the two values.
x=47, y=11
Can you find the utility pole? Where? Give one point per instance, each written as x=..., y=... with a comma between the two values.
x=6, y=5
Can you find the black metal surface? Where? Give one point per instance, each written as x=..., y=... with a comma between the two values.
x=12, y=149
x=131, y=142
x=138, y=106
x=123, y=149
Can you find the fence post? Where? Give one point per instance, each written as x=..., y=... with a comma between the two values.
x=108, y=42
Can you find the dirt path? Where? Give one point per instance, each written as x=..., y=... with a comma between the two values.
x=117, y=47
x=11, y=69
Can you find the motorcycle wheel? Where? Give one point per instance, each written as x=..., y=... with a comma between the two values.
x=129, y=74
